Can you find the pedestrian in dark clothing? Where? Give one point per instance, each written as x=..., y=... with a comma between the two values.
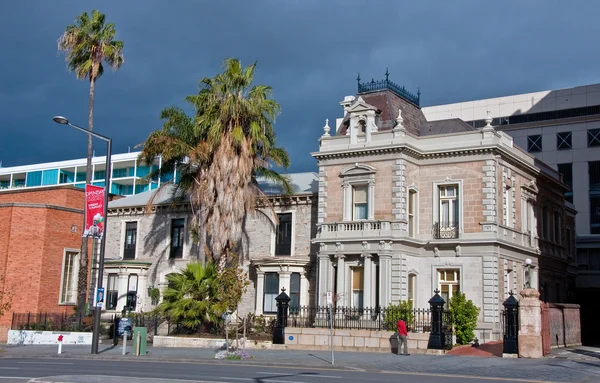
x=402, y=337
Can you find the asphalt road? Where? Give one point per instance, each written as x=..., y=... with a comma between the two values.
x=16, y=370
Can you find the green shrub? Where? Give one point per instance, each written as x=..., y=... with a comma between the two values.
x=464, y=317
x=393, y=313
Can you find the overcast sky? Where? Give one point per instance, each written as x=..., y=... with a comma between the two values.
x=309, y=51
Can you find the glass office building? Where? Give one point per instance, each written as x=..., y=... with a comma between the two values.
x=129, y=176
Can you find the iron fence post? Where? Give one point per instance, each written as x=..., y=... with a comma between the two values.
x=156, y=325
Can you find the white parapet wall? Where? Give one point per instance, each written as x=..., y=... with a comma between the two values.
x=24, y=337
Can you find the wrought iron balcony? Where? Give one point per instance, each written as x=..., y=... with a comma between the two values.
x=445, y=230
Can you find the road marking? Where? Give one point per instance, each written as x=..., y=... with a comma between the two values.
x=303, y=374
x=262, y=380
x=10, y=368
x=43, y=363
x=16, y=377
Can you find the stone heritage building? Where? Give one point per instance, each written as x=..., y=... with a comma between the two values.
x=401, y=206
x=407, y=206
x=144, y=247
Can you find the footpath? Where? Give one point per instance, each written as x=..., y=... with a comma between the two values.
x=563, y=365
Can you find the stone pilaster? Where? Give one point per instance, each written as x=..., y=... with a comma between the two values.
x=260, y=291
x=530, y=324
x=490, y=289
x=322, y=206
x=385, y=276
x=368, y=282
x=489, y=192
x=343, y=295
x=324, y=278
x=399, y=207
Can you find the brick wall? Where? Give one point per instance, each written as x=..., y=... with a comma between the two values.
x=32, y=243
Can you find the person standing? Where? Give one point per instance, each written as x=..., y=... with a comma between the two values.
x=402, y=337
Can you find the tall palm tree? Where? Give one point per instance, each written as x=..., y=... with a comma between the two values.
x=221, y=151
x=89, y=44
x=192, y=296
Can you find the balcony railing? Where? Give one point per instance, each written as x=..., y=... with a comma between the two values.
x=445, y=230
x=354, y=229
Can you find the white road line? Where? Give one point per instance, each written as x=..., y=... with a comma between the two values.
x=43, y=363
x=262, y=380
x=304, y=375
x=16, y=377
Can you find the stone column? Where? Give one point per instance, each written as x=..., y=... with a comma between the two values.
x=347, y=192
x=304, y=300
x=371, y=200
x=323, y=278
x=341, y=280
x=385, y=279
x=530, y=324
x=260, y=292
x=285, y=280
x=368, y=282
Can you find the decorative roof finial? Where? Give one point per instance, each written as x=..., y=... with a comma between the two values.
x=387, y=74
x=419, y=93
x=488, y=119
x=358, y=78
x=399, y=119
x=326, y=128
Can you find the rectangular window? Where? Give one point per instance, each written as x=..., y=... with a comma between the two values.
x=271, y=292
x=594, y=193
x=112, y=291
x=566, y=172
x=360, y=205
x=447, y=225
x=412, y=288
x=283, y=240
x=412, y=219
x=593, y=137
x=449, y=283
x=534, y=143
x=357, y=287
x=556, y=223
x=68, y=287
x=132, y=286
x=130, y=240
x=177, y=237
x=295, y=292
x=563, y=140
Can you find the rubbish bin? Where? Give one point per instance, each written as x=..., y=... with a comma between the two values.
x=139, y=340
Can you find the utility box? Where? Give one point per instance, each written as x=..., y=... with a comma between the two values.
x=139, y=340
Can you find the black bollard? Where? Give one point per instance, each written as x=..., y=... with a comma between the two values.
x=511, y=325
x=283, y=303
x=437, y=340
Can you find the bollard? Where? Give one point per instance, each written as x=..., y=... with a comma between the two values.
x=60, y=339
x=139, y=339
x=124, y=343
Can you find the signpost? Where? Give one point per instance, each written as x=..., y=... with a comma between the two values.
x=60, y=339
x=125, y=330
x=330, y=304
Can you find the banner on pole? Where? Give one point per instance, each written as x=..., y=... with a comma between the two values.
x=99, y=297
x=94, y=211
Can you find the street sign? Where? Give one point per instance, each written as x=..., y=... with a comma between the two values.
x=124, y=327
x=329, y=298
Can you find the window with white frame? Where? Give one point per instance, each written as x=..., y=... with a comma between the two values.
x=132, y=287
x=448, y=205
x=357, y=287
x=412, y=288
x=294, y=292
x=68, y=287
x=112, y=291
x=448, y=283
x=412, y=213
x=271, y=290
x=360, y=202
x=283, y=238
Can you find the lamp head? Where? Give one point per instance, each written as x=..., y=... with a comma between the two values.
x=528, y=261
x=60, y=120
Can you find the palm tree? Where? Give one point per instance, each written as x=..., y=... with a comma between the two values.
x=192, y=296
x=89, y=43
x=221, y=151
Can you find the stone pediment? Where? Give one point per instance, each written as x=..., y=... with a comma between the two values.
x=531, y=186
x=358, y=169
x=361, y=106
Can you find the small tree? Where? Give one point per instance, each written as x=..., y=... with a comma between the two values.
x=233, y=283
x=464, y=317
x=393, y=313
x=5, y=298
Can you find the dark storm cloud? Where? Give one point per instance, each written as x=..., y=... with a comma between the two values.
x=309, y=51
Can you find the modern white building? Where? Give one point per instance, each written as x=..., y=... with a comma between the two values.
x=561, y=128
x=129, y=176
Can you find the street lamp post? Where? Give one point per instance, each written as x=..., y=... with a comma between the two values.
x=528, y=279
x=64, y=121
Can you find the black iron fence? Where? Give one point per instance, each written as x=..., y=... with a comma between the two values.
x=51, y=322
x=417, y=320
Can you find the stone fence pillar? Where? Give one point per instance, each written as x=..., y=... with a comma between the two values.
x=530, y=324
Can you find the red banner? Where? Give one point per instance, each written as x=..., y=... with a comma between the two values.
x=94, y=211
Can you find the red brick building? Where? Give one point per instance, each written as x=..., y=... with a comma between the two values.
x=40, y=238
